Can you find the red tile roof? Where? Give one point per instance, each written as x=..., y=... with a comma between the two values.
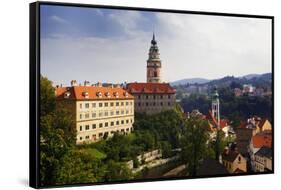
x=150, y=88
x=92, y=93
x=262, y=139
x=223, y=122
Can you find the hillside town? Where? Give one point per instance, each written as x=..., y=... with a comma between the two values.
x=101, y=110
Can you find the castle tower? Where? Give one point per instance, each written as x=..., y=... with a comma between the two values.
x=153, y=63
x=216, y=106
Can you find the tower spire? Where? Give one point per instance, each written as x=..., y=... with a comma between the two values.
x=153, y=41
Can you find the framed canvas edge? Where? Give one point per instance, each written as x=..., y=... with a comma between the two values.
x=34, y=89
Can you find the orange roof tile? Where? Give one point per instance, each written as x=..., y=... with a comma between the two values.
x=150, y=88
x=262, y=139
x=92, y=93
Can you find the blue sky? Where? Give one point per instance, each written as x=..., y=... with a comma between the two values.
x=110, y=45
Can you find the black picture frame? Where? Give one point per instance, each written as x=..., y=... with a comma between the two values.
x=34, y=84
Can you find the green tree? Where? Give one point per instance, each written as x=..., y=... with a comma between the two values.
x=79, y=167
x=194, y=143
x=117, y=171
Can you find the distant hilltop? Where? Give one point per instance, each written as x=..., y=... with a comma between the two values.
x=265, y=77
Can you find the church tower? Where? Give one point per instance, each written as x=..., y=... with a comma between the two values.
x=216, y=106
x=153, y=68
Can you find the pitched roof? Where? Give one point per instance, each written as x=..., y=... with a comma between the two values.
x=230, y=155
x=262, y=139
x=262, y=122
x=265, y=152
x=213, y=121
x=211, y=167
x=92, y=93
x=238, y=171
x=150, y=88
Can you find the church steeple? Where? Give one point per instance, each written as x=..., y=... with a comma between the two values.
x=216, y=106
x=153, y=62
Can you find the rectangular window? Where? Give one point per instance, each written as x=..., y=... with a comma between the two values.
x=100, y=134
x=87, y=137
x=94, y=115
x=146, y=96
x=127, y=111
x=127, y=103
x=93, y=105
x=100, y=114
x=131, y=103
x=80, y=116
x=154, y=97
x=122, y=103
x=161, y=103
x=111, y=104
x=117, y=103
x=117, y=122
x=100, y=104
x=169, y=96
x=117, y=112
x=169, y=103
x=122, y=112
x=94, y=137
x=87, y=127
x=100, y=125
x=139, y=104
x=146, y=103
x=139, y=97
x=106, y=113
x=81, y=128
x=106, y=104
x=87, y=105
x=161, y=96
x=127, y=121
x=80, y=105
x=106, y=124
x=154, y=103
x=122, y=121
x=111, y=123
x=87, y=116
x=94, y=126
x=81, y=138
x=112, y=113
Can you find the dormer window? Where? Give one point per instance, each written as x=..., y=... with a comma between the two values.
x=85, y=94
x=66, y=94
x=107, y=94
x=99, y=94
x=126, y=94
x=116, y=94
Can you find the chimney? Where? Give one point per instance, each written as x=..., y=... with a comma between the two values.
x=73, y=83
x=99, y=84
x=86, y=83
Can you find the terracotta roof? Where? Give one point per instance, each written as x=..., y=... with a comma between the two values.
x=91, y=93
x=223, y=122
x=262, y=139
x=150, y=88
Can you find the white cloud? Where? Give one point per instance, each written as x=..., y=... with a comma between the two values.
x=58, y=19
x=190, y=46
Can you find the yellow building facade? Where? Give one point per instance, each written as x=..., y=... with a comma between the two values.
x=98, y=112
